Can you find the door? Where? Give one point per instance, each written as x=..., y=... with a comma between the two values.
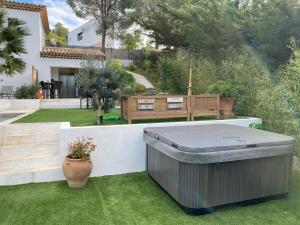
x=68, y=86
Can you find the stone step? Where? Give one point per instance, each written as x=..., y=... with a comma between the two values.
x=29, y=149
x=31, y=175
x=36, y=161
x=24, y=139
x=28, y=128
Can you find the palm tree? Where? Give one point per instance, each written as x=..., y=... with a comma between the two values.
x=12, y=33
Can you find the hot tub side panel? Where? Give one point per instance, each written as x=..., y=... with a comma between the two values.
x=244, y=180
x=198, y=186
x=164, y=170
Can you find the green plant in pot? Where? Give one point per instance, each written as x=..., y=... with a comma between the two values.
x=227, y=93
x=77, y=166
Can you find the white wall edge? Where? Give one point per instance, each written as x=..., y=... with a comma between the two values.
x=120, y=148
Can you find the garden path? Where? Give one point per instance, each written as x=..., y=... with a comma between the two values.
x=140, y=79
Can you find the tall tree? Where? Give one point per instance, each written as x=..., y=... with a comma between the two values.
x=12, y=34
x=201, y=26
x=61, y=31
x=268, y=26
x=131, y=41
x=58, y=36
x=109, y=14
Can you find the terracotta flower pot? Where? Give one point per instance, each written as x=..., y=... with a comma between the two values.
x=39, y=94
x=77, y=171
x=227, y=105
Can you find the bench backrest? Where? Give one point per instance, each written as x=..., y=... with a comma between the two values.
x=7, y=90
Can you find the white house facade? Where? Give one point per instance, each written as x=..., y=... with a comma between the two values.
x=56, y=63
x=86, y=35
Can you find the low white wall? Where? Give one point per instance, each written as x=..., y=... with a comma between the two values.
x=60, y=103
x=34, y=104
x=120, y=148
x=4, y=104
x=24, y=104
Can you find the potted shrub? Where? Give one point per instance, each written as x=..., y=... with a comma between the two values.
x=78, y=166
x=227, y=93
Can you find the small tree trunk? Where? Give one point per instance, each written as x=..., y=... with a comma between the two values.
x=103, y=41
x=98, y=102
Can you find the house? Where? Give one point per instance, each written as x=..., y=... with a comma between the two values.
x=86, y=35
x=58, y=63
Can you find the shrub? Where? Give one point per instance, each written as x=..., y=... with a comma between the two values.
x=204, y=73
x=119, y=68
x=223, y=88
x=258, y=96
x=26, y=91
x=139, y=88
x=131, y=67
x=140, y=56
x=146, y=64
x=81, y=148
x=165, y=71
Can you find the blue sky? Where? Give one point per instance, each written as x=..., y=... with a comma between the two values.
x=59, y=11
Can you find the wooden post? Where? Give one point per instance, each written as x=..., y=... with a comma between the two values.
x=218, y=107
x=34, y=76
x=129, y=105
x=189, y=99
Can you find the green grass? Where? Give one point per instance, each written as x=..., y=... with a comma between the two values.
x=84, y=117
x=132, y=199
x=77, y=117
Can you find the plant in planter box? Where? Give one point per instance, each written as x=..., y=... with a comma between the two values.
x=227, y=93
x=78, y=166
x=27, y=92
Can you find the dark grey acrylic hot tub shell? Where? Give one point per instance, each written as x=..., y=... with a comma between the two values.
x=212, y=165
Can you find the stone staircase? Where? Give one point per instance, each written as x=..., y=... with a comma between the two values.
x=29, y=153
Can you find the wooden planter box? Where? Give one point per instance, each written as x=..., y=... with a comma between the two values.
x=226, y=106
x=169, y=106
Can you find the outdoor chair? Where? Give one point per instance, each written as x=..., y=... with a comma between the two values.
x=7, y=91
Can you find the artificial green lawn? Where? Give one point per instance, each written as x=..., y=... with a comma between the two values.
x=77, y=117
x=84, y=117
x=132, y=199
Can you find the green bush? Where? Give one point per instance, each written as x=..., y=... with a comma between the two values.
x=146, y=64
x=26, y=91
x=204, y=73
x=223, y=88
x=134, y=89
x=258, y=96
x=131, y=67
x=120, y=69
x=165, y=71
x=149, y=55
x=139, y=88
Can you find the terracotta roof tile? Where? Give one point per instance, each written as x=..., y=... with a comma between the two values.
x=71, y=53
x=28, y=7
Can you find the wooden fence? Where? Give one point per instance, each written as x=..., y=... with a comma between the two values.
x=169, y=106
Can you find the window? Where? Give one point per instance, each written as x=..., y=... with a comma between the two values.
x=79, y=36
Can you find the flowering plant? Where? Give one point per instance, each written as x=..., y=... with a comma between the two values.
x=81, y=148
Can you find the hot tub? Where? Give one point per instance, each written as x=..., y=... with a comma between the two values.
x=206, y=166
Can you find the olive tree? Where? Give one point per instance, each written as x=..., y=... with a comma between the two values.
x=102, y=83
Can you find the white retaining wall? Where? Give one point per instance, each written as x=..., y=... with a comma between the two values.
x=35, y=104
x=120, y=148
x=4, y=104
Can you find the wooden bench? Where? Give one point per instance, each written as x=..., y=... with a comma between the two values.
x=7, y=91
x=169, y=106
